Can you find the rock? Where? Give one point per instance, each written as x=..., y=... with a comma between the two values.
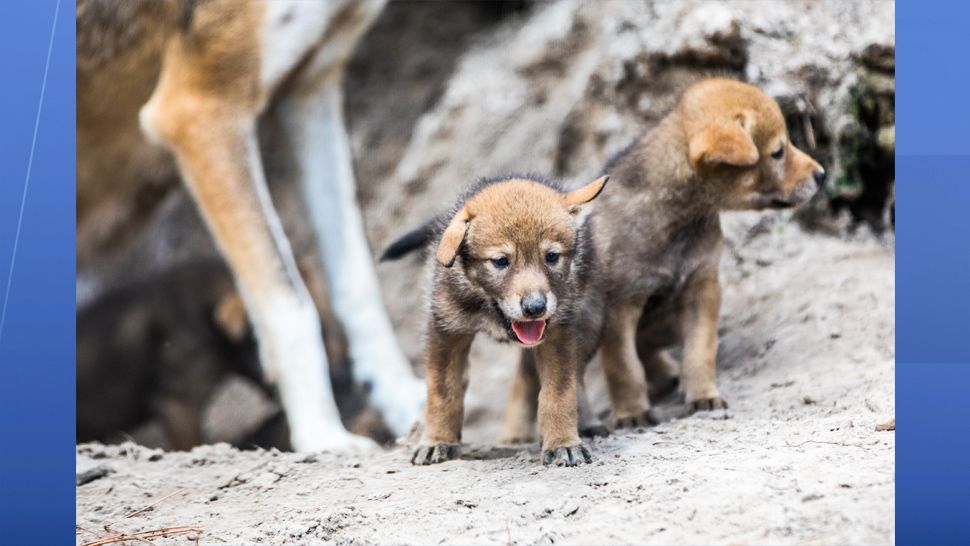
x=889, y=425
x=569, y=508
x=92, y=473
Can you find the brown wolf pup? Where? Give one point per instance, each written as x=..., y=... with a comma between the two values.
x=512, y=261
x=658, y=237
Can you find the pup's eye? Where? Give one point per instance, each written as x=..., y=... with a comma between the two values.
x=552, y=257
x=779, y=153
x=501, y=262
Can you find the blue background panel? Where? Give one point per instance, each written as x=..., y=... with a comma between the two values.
x=37, y=343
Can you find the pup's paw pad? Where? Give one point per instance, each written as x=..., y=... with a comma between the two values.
x=641, y=421
x=567, y=456
x=592, y=431
x=708, y=404
x=435, y=454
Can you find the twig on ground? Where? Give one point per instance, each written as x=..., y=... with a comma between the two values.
x=824, y=442
x=83, y=530
x=154, y=504
x=143, y=536
x=233, y=479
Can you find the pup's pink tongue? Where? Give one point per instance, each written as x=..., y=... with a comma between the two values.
x=529, y=332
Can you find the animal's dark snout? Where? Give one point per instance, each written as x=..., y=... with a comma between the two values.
x=819, y=176
x=533, y=305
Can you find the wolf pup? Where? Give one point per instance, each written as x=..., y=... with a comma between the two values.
x=512, y=261
x=658, y=236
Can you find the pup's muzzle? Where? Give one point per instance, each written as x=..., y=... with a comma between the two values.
x=534, y=305
x=803, y=191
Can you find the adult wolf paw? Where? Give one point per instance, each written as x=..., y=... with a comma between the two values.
x=567, y=456
x=435, y=454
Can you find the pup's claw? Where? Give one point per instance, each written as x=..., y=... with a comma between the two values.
x=708, y=404
x=435, y=454
x=643, y=420
x=567, y=456
x=592, y=431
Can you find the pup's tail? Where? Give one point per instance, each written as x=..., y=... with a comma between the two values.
x=415, y=239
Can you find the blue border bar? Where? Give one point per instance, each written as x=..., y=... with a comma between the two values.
x=933, y=272
x=37, y=343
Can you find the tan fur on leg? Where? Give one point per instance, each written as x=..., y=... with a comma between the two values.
x=702, y=304
x=557, y=413
x=624, y=373
x=447, y=362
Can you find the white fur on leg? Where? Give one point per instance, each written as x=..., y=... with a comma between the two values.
x=328, y=186
x=290, y=342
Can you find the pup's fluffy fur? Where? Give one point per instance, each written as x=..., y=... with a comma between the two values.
x=513, y=259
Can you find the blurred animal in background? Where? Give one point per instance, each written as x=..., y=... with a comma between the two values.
x=196, y=78
x=513, y=261
x=157, y=349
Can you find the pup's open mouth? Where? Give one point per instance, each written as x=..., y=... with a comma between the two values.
x=530, y=332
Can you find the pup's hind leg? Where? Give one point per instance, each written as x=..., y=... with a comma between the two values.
x=447, y=363
x=702, y=305
x=207, y=118
x=625, y=377
x=659, y=329
x=312, y=112
x=520, y=410
x=589, y=423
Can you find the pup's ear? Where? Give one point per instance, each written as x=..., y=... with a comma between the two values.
x=452, y=238
x=723, y=144
x=576, y=199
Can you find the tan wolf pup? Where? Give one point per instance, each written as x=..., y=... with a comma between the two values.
x=513, y=260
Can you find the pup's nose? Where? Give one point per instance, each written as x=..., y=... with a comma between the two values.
x=819, y=176
x=533, y=305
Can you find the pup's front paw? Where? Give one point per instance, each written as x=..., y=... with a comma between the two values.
x=566, y=456
x=434, y=454
x=707, y=404
x=639, y=421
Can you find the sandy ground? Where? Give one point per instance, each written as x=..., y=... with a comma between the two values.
x=807, y=363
